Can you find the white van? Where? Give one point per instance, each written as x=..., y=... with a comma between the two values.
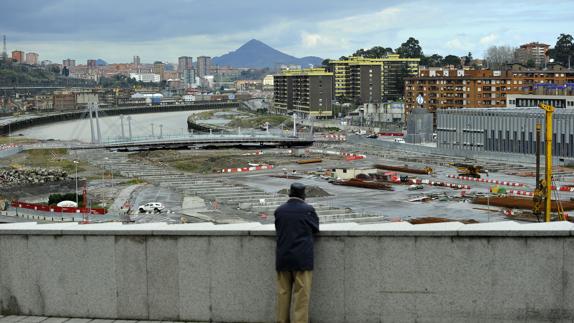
x=400, y=140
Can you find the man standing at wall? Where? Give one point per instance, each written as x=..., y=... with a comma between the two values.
x=295, y=223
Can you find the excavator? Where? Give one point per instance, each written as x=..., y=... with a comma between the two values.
x=469, y=169
x=543, y=193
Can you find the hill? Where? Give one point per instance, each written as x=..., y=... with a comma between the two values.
x=256, y=54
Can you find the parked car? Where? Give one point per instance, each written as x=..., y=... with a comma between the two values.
x=400, y=140
x=155, y=207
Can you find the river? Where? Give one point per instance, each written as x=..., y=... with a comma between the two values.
x=169, y=123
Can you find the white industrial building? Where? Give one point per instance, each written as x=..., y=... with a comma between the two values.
x=146, y=77
x=508, y=130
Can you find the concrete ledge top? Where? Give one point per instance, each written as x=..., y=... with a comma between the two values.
x=505, y=228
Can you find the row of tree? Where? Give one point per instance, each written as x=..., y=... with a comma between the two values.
x=411, y=49
x=496, y=57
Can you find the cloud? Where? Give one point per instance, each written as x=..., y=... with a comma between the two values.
x=117, y=30
x=488, y=39
x=457, y=44
x=310, y=40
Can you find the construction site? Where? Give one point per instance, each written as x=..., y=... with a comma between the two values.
x=349, y=177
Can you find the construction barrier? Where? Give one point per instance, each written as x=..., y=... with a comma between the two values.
x=347, y=156
x=336, y=137
x=520, y=193
x=486, y=180
x=566, y=188
x=246, y=169
x=354, y=157
x=257, y=153
x=437, y=183
x=57, y=209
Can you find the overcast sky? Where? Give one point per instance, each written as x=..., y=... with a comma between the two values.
x=115, y=30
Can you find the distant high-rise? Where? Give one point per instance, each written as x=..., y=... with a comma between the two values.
x=69, y=62
x=4, y=51
x=533, y=54
x=159, y=68
x=188, y=76
x=91, y=63
x=184, y=63
x=307, y=92
x=32, y=58
x=203, y=65
x=18, y=56
x=137, y=61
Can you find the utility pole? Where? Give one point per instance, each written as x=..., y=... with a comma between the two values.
x=294, y=124
x=130, y=126
x=122, y=126
x=98, y=123
x=90, y=110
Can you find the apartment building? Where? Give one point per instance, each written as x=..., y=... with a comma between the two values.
x=18, y=56
x=392, y=70
x=159, y=69
x=306, y=92
x=184, y=63
x=448, y=88
x=32, y=58
x=203, y=65
x=535, y=52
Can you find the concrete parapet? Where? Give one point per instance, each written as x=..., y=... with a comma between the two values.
x=389, y=272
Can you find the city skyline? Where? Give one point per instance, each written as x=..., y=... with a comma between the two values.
x=115, y=32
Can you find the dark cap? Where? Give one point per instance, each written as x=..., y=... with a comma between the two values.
x=297, y=190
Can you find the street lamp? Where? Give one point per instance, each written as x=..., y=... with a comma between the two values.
x=76, y=164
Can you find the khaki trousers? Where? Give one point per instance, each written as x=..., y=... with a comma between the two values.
x=297, y=283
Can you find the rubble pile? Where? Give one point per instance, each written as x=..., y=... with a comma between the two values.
x=9, y=177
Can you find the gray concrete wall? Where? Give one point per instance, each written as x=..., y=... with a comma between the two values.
x=364, y=273
x=10, y=151
x=485, y=155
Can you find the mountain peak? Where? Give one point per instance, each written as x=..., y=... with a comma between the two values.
x=257, y=54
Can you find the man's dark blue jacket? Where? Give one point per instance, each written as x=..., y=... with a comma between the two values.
x=295, y=223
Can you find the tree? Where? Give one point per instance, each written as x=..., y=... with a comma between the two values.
x=564, y=50
x=499, y=56
x=451, y=60
x=435, y=60
x=375, y=52
x=530, y=63
x=468, y=59
x=359, y=52
x=326, y=62
x=410, y=49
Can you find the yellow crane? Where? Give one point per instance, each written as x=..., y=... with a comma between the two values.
x=546, y=185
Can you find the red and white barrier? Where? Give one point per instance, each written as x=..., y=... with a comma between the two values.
x=246, y=169
x=256, y=153
x=486, y=180
x=437, y=183
x=335, y=137
x=566, y=188
x=57, y=209
x=8, y=146
x=347, y=156
x=520, y=193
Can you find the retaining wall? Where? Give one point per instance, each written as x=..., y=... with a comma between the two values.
x=484, y=155
x=364, y=273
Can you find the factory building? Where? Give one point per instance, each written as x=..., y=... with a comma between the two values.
x=507, y=130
